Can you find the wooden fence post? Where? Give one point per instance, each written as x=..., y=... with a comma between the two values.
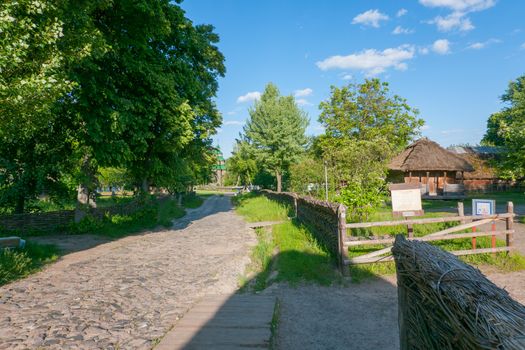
x=461, y=210
x=343, y=251
x=510, y=224
x=295, y=204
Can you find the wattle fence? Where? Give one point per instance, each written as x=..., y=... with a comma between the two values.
x=58, y=221
x=327, y=220
x=444, y=303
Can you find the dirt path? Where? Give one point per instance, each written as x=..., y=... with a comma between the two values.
x=360, y=316
x=127, y=293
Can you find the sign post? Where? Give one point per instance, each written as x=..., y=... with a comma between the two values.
x=406, y=202
x=483, y=207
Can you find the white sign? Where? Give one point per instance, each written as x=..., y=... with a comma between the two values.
x=483, y=207
x=406, y=201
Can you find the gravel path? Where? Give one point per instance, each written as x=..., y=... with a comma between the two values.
x=128, y=293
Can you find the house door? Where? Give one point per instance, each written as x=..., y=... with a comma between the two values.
x=432, y=186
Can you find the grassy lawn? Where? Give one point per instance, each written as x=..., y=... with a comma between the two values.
x=19, y=263
x=285, y=253
x=437, y=208
x=257, y=208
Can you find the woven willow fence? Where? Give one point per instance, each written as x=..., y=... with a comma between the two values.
x=447, y=304
x=327, y=220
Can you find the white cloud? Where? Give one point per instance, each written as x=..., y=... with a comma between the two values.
x=460, y=5
x=233, y=122
x=482, y=45
x=451, y=131
x=423, y=50
x=401, y=12
x=401, y=30
x=347, y=77
x=371, y=61
x=303, y=92
x=441, y=46
x=248, y=97
x=522, y=46
x=370, y=18
x=460, y=8
x=302, y=102
x=456, y=20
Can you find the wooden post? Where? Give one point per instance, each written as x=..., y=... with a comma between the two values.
x=461, y=211
x=410, y=229
x=295, y=204
x=343, y=251
x=493, y=239
x=510, y=224
x=402, y=305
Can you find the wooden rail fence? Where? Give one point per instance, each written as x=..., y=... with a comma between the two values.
x=466, y=222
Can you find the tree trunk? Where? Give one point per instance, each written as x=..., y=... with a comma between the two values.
x=86, y=196
x=145, y=186
x=279, y=176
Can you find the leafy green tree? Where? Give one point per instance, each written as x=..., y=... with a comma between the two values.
x=276, y=131
x=506, y=128
x=365, y=125
x=241, y=164
x=144, y=96
x=34, y=145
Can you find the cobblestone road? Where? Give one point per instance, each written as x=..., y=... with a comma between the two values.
x=128, y=293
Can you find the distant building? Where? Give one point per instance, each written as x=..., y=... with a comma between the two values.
x=439, y=172
x=219, y=168
x=484, y=177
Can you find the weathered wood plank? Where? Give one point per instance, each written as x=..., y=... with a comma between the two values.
x=265, y=223
x=428, y=220
x=224, y=322
x=361, y=260
x=429, y=238
x=11, y=242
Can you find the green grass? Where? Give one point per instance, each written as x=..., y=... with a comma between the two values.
x=19, y=263
x=192, y=201
x=503, y=261
x=287, y=251
x=257, y=208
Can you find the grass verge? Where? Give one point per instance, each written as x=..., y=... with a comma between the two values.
x=286, y=252
x=19, y=263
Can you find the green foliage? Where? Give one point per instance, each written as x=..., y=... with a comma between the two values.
x=241, y=165
x=18, y=263
x=276, y=131
x=34, y=144
x=365, y=125
x=361, y=198
x=506, y=129
x=307, y=176
x=122, y=85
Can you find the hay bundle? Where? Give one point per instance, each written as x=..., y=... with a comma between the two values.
x=447, y=304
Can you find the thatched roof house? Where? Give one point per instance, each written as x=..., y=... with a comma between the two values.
x=485, y=176
x=426, y=155
x=435, y=168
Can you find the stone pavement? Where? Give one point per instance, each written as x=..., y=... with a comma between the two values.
x=224, y=322
x=128, y=293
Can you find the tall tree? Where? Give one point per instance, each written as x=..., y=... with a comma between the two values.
x=33, y=144
x=241, y=164
x=145, y=92
x=276, y=131
x=365, y=125
x=506, y=128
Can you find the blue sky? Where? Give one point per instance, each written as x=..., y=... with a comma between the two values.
x=451, y=59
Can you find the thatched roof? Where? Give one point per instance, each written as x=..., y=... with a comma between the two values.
x=426, y=155
x=480, y=158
